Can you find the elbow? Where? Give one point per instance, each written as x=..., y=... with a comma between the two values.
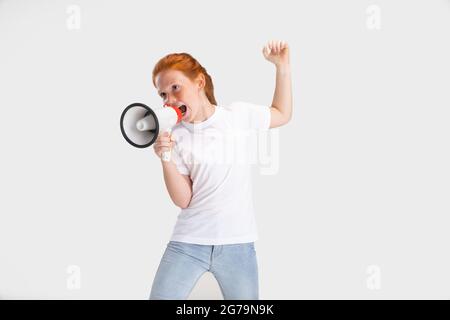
x=183, y=204
x=288, y=118
x=289, y=114
x=279, y=118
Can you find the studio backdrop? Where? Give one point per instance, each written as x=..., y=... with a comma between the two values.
x=351, y=196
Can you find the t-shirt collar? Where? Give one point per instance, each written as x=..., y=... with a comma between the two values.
x=203, y=124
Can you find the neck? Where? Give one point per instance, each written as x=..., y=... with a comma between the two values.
x=204, y=112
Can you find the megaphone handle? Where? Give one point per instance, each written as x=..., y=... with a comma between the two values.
x=166, y=155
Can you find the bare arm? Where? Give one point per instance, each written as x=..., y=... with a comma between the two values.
x=178, y=185
x=281, y=111
x=277, y=52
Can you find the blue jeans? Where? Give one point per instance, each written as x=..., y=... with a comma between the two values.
x=233, y=265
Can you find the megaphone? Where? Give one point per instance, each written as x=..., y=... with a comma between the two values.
x=140, y=125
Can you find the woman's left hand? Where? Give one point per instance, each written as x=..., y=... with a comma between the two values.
x=277, y=52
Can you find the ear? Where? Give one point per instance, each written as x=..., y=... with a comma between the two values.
x=201, y=81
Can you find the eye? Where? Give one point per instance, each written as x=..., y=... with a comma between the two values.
x=162, y=94
x=175, y=87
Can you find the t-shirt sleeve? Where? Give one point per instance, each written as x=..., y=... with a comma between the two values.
x=179, y=162
x=252, y=116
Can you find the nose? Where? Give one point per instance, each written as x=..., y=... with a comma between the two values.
x=170, y=100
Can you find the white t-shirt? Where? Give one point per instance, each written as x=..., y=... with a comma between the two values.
x=217, y=154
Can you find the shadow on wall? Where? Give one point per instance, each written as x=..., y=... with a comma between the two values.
x=206, y=288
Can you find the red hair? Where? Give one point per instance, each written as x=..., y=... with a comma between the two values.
x=190, y=67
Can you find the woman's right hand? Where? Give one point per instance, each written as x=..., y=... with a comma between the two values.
x=163, y=143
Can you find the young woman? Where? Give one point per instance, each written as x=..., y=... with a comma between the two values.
x=215, y=230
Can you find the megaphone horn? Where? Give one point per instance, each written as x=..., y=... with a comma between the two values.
x=140, y=125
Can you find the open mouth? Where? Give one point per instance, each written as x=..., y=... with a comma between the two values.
x=182, y=109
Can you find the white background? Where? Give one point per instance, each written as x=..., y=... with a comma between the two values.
x=363, y=176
